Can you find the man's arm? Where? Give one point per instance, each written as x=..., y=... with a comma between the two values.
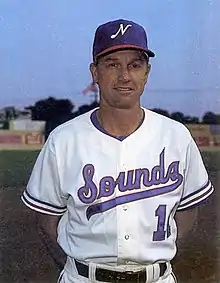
x=186, y=221
x=47, y=226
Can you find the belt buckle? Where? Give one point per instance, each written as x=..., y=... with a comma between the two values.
x=121, y=277
x=134, y=274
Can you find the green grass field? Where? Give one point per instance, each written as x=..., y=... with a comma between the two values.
x=26, y=260
x=16, y=166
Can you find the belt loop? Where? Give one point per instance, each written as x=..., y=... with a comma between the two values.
x=92, y=272
x=149, y=273
x=168, y=270
x=156, y=272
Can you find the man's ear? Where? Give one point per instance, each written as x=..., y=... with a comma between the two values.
x=148, y=69
x=147, y=72
x=93, y=70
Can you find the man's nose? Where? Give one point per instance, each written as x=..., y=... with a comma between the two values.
x=124, y=74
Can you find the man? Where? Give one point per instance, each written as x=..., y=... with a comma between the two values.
x=112, y=185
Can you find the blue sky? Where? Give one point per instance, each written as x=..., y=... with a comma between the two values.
x=45, y=50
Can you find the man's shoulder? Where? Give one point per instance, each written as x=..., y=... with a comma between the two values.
x=80, y=124
x=167, y=125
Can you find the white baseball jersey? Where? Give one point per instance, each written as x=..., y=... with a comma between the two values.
x=118, y=197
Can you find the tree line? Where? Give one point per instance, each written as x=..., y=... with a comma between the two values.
x=57, y=111
x=63, y=109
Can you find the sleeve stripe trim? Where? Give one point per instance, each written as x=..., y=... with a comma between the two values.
x=207, y=184
x=40, y=209
x=42, y=203
x=196, y=194
x=196, y=200
x=193, y=205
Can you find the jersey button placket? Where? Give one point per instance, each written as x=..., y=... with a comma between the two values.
x=122, y=211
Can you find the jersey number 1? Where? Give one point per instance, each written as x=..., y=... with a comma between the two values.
x=161, y=233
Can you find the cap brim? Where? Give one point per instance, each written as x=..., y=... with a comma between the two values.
x=122, y=47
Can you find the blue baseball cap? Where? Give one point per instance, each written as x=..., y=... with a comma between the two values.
x=118, y=35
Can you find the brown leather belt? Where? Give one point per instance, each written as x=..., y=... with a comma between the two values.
x=105, y=275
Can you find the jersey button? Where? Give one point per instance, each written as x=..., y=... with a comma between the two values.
x=125, y=208
x=127, y=237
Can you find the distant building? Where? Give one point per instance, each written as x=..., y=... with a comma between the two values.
x=11, y=113
x=2, y=115
x=19, y=120
x=23, y=115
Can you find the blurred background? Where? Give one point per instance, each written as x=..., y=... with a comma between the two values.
x=45, y=52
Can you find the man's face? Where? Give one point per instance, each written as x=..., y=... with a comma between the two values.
x=121, y=77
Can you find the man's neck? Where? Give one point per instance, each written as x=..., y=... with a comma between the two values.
x=120, y=122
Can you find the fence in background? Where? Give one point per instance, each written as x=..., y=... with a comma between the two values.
x=21, y=139
x=206, y=136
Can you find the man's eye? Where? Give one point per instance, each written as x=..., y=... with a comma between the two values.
x=135, y=65
x=112, y=65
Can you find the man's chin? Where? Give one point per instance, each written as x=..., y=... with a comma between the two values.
x=123, y=105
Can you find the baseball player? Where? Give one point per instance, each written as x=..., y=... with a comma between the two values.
x=113, y=185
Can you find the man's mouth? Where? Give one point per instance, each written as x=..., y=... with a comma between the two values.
x=124, y=89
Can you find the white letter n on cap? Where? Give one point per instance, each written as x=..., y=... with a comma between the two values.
x=121, y=29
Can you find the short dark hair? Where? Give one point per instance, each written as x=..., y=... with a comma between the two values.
x=141, y=52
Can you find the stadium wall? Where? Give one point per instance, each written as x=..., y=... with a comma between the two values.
x=206, y=136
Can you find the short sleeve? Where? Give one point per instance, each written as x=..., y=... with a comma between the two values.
x=43, y=192
x=197, y=185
